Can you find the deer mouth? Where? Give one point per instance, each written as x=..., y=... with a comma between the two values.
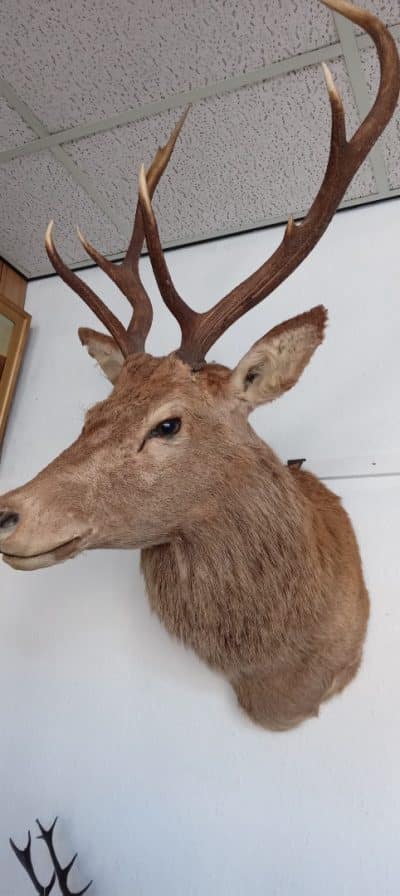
x=38, y=561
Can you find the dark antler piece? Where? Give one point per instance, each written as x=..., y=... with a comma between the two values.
x=24, y=856
x=61, y=873
x=200, y=331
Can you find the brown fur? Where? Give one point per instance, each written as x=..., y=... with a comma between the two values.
x=252, y=564
x=271, y=592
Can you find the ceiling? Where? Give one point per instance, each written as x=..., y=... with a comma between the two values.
x=89, y=89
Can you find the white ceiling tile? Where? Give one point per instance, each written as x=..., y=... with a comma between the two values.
x=241, y=158
x=74, y=61
x=390, y=140
x=13, y=130
x=33, y=190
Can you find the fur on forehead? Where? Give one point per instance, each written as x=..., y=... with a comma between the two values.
x=143, y=375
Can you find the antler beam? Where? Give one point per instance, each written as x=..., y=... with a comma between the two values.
x=201, y=331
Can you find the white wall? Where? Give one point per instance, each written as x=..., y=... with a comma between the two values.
x=161, y=784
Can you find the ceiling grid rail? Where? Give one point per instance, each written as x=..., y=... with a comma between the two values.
x=177, y=101
x=47, y=140
x=348, y=46
x=79, y=176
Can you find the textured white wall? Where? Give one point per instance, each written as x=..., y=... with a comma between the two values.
x=161, y=784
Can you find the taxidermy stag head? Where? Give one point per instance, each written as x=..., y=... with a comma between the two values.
x=251, y=563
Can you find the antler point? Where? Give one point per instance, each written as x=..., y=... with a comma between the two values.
x=49, y=234
x=143, y=188
x=82, y=239
x=336, y=5
x=329, y=80
x=290, y=226
x=186, y=112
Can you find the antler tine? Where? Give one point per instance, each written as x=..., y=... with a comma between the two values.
x=126, y=276
x=201, y=331
x=24, y=856
x=61, y=873
x=93, y=301
x=186, y=317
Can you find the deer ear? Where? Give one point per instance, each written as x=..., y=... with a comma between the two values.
x=274, y=363
x=104, y=350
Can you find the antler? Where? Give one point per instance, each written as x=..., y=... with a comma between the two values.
x=24, y=856
x=126, y=276
x=200, y=331
x=60, y=874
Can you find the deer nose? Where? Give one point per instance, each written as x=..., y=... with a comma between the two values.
x=8, y=522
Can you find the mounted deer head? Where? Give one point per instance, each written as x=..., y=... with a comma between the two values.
x=253, y=564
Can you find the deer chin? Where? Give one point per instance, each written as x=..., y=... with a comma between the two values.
x=62, y=552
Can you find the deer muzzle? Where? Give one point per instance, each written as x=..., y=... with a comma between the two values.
x=34, y=534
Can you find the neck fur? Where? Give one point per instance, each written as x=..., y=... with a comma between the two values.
x=229, y=588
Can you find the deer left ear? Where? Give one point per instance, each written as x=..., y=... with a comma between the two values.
x=274, y=363
x=104, y=350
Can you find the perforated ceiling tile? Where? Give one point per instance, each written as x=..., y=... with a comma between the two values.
x=390, y=140
x=13, y=130
x=241, y=158
x=74, y=61
x=34, y=189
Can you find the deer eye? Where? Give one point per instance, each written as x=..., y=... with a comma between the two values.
x=166, y=428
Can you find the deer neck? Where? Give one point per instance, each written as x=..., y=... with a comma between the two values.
x=208, y=584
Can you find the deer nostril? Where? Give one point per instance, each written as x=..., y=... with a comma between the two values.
x=8, y=520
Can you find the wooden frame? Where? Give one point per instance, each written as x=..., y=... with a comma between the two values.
x=8, y=378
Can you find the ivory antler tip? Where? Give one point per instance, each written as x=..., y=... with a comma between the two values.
x=82, y=239
x=329, y=79
x=143, y=187
x=49, y=233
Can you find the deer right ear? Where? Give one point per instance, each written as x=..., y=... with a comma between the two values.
x=276, y=361
x=104, y=350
